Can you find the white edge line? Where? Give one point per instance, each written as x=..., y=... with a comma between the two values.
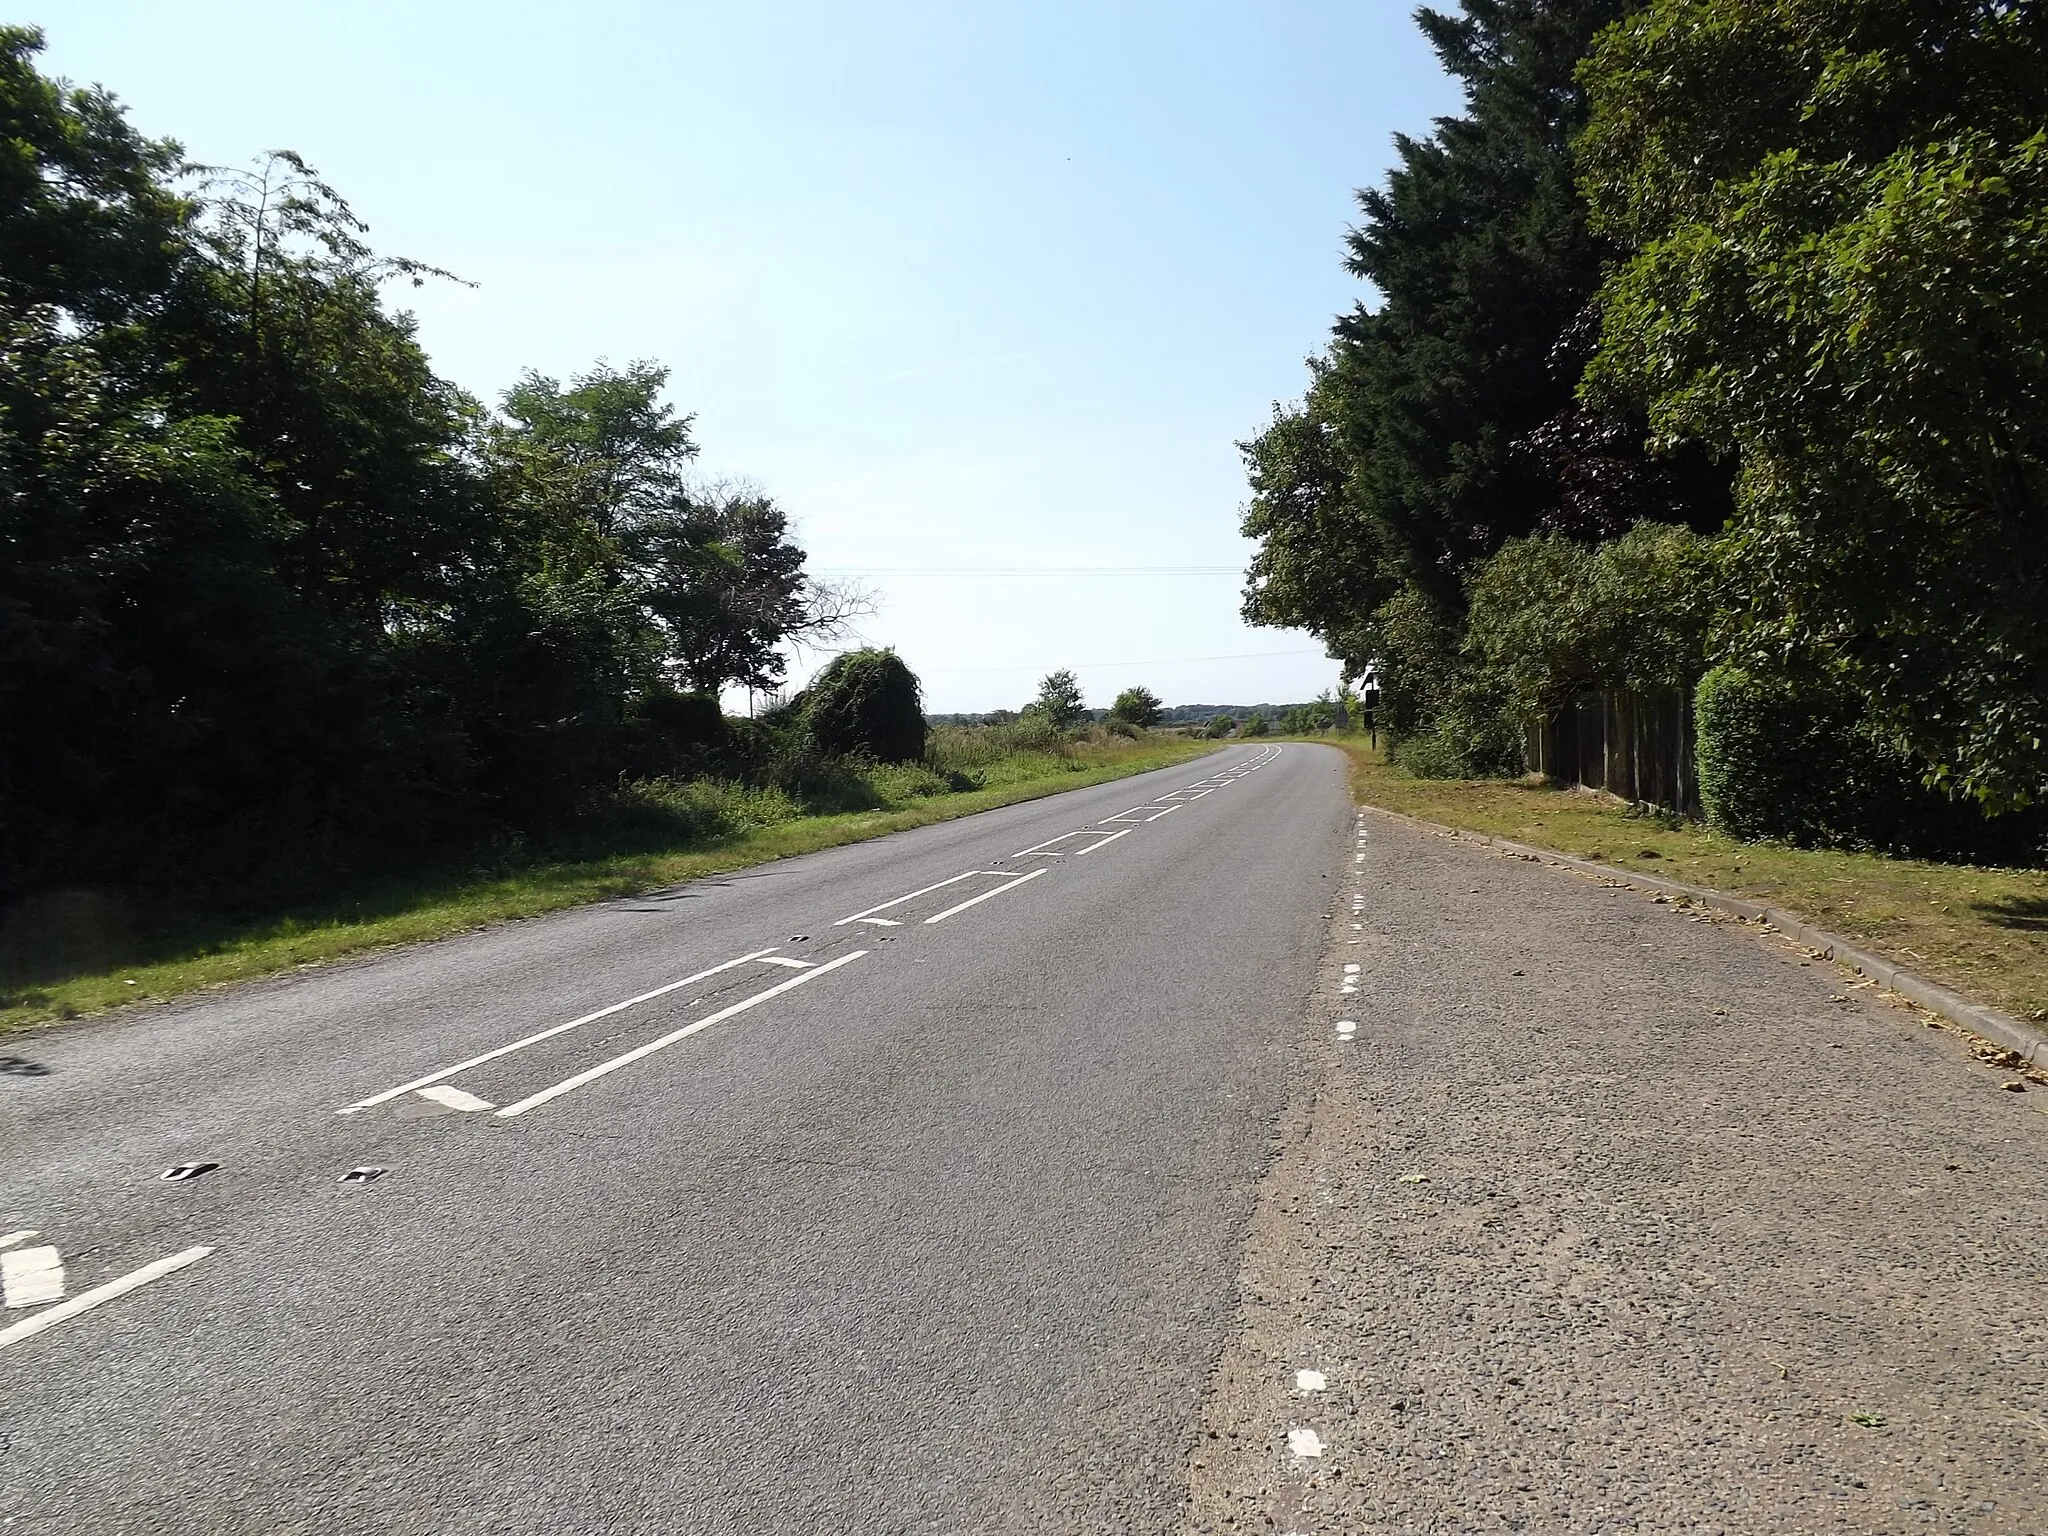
x=940, y=917
x=519, y=1045
x=898, y=901
x=1106, y=841
x=534, y=1101
x=85, y=1301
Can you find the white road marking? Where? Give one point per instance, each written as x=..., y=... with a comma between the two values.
x=794, y=965
x=1310, y=1381
x=879, y=922
x=17, y=1237
x=1133, y=813
x=569, y=1085
x=984, y=896
x=1304, y=1442
x=1346, y=1029
x=85, y=1301
x=1352, y=967
x=1347, y=989
x=1041, y=849
x=455, y=1098
x=898, y=901
x=547, y=1034
x=31, y=1276
x=1127, y=831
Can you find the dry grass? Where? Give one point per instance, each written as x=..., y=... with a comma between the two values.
x=1983, y=932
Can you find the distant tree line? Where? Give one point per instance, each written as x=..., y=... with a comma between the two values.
x=1708, y=351
x=272, y=592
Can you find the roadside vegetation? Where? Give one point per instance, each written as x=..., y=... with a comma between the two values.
x=1981, y=930
x=1705, y=366
x=72, y=952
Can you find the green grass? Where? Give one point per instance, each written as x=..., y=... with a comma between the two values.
x=1982, y=932
x=77, y=953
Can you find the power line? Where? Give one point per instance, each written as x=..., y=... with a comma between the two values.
x=1171, y=661
x=1023, y=570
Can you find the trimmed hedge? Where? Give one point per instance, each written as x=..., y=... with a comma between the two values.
x=1791, y=758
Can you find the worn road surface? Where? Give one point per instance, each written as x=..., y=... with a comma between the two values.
x=1605, y=1217
x=1020, y=1174
x=939, y=1233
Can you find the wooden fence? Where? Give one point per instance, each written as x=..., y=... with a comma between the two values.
x=1635, y=745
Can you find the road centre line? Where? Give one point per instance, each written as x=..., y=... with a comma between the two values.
x=1039, y=848
x=898, y=901
x=85, y=1301
x=984, y=896
x=569, y=1085
x=547, y=1034
x=1133, y=811
x=1127, y=831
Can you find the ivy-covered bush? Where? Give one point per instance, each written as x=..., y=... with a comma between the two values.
x=869, y=702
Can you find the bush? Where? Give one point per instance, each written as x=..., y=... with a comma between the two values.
x=1139, y=706
x=867, y=701
x=1256, y=725
x=1793, y=758
x=1220, y=726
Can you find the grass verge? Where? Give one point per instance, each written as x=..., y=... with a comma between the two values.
x=1981, y=932
x=212, y=952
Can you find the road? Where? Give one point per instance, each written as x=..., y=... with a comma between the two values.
x=896, y=1188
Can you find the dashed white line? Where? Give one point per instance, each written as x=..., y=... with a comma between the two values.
x=29, y=1277
x=794, y=965
x=12, y=1238
x=591, y=1075
x=1127, y=831
x=85, y=1301
x=1304, y=1442
x=546, y=1034
x=455, y=1098
x=1310, y=1381
x=940, y=917
x=868, y=915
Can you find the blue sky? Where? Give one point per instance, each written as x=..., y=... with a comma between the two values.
x=962, y=286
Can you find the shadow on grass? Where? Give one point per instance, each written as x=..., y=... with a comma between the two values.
x=2026, y=913
x=55, y=937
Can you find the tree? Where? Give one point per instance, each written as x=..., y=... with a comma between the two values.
x=1255, y=724
x=1836, y=224
x=1059, y=700
x=1220, y=726
x=867, y=701
x=1139, y=706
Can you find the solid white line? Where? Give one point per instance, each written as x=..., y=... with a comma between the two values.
x=17, y=1237
x=1106, y=841
x=984, y=896
x=794, y=965
x=85, y=1301
x=569, y=1085
x=885, y=906
x=455, y=1098
x=31, y=1276
x=519, y=1045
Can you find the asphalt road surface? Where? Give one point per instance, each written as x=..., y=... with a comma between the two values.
x=897, y=1188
